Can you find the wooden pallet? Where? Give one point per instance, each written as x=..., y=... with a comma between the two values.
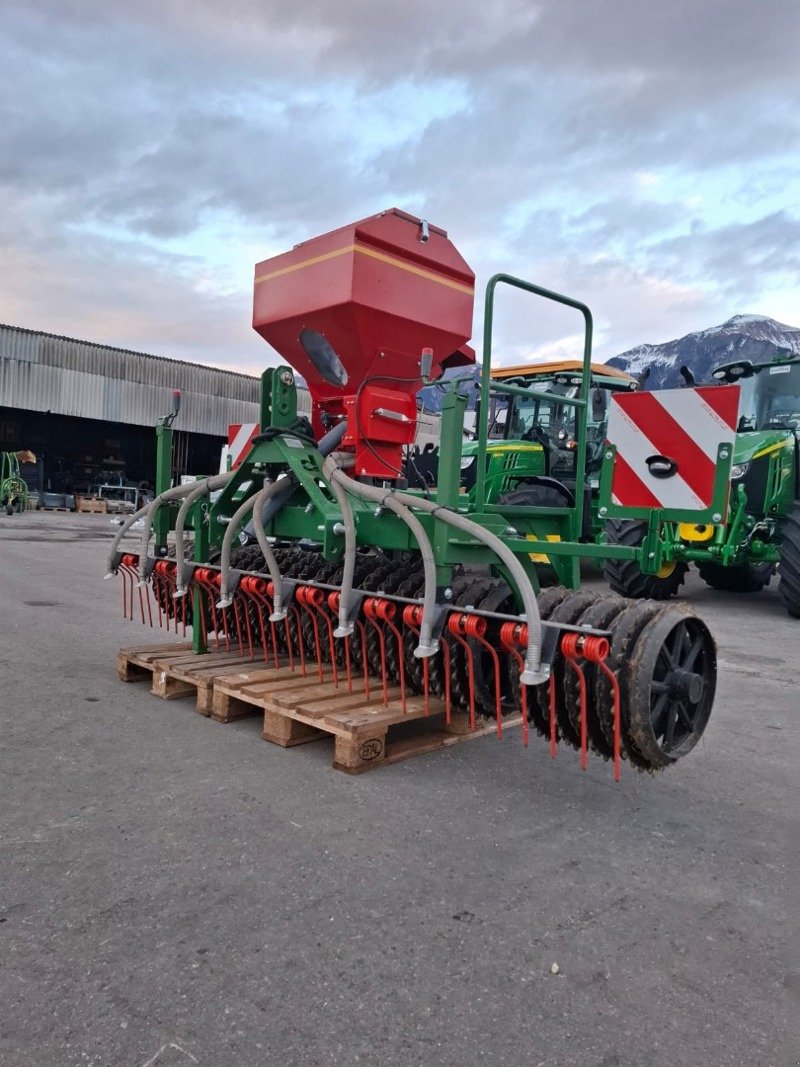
x=90, y=505
x=367, y=733
x=176, y=671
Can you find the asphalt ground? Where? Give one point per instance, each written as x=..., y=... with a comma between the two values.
x=175, y=892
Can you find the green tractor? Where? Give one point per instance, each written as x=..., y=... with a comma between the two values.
x=761, y=530
x=531, y=454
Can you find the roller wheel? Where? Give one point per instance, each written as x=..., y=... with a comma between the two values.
x=670, y=680
x=626, y=577
x=789, y=587
x=538, y=696
x=748, y=578
x=495, y=595
x=568, y=611
x=600, y=616
x=626, y=629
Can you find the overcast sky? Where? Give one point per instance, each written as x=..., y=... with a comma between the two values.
x=640, y=155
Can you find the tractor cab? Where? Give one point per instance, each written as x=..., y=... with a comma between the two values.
x=768, y=431
x=535, y=437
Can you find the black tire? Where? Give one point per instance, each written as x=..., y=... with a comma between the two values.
x=625, y=632
x=670, y=680
x=789, y=586
x=747, y=578
x=626, y=577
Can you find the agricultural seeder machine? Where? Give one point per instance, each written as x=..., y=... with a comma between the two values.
x=425, y=596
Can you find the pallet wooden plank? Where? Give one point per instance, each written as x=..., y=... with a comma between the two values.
x=320, y=704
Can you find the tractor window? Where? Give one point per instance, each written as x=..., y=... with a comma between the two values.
x=770, y=399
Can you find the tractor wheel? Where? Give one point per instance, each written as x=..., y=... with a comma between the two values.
x=669, y=680
x=626, y=577
x=789, y=587
x=747, y=578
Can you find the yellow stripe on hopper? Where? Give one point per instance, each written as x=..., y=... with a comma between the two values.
x=373, y=254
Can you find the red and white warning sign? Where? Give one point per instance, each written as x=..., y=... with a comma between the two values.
x=667, y=444
x=240, y=438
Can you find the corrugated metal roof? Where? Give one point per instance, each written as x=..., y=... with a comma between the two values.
x=65, y=376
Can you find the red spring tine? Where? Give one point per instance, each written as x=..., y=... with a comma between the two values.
x=334, y=599
x=386, y=611
x=363, y=632
x=476, y=628
x=259, y=600
x=318, y=604
x=248, y=588
x=456, y=624
x=511, y=635
x=264, y=600
x=371, y=611
x=268, y=596
x=306, y=596
x=596, y=650
x=123, y=571
x=128, y=565
x=571, y=648
x=412, y=615
x=203, y=578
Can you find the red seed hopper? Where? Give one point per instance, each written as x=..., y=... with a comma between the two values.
x=352, y=312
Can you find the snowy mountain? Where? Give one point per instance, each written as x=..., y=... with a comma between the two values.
x=753, y=337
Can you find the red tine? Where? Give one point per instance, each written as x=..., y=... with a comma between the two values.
x=412, y=617
x=386, y=612
x=334, y=599
x=371, y=611
x=571, y=647
x=363, y=631
x=476, y=628
x=306, y=596
x=511, y=635
x=456, y=624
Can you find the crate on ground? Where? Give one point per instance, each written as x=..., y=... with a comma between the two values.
x=92, y=505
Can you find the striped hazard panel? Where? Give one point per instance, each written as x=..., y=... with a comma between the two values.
x=240, y=438
x=667, y=444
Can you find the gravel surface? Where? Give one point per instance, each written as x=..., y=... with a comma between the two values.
x=175, y=892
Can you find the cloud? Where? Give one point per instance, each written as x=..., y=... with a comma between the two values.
x=642, y=157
